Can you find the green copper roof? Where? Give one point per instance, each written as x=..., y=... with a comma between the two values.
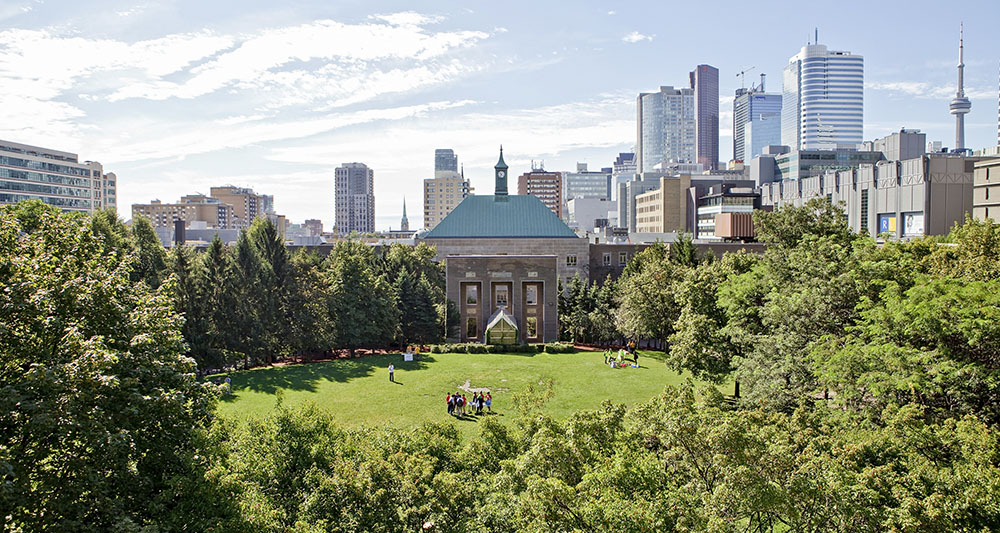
x=500, y=164
x=523, y=216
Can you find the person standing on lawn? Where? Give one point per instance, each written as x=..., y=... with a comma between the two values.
x=391, y=369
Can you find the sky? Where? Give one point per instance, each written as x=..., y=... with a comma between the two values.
x=177, y=96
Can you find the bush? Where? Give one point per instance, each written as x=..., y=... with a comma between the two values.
x=559, y=347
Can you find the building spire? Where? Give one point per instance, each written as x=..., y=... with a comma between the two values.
x=960, y=105
x=404, y=224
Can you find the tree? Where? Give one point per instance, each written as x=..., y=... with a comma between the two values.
x=364, y=305
x=218, y=301
x=245, y=331
x=701, y=342
x=151, y=259
x=647, y=304
x=273, y=284
x=100, y=412
x=189, y=302
x=310, y=329
x=418, y=320
x=683, y=252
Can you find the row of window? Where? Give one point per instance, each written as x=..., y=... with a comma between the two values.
x=40, y=165
x=75, y=203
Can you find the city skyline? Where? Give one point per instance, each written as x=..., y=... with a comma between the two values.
x=175, y=97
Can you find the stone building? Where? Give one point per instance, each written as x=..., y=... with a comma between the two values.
x=508, y=224
x=519, y=290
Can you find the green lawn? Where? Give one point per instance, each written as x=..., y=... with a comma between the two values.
x=358, y=391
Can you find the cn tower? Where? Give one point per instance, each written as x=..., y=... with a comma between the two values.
x=960, y=105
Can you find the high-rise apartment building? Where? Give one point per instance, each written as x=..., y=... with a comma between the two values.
x=442, y=193
x=54, y=177
x=666, y=129
x=193, y=208
x=247, y=204
x=756, y=122
x=445, y=160
x=822, y=100
x=705, y=84
x=547, y=186
x=354, y=198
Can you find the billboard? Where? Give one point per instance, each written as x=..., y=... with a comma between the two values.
x=913, y=224
x=887, y=223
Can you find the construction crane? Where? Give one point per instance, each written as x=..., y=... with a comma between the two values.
x=742, y=76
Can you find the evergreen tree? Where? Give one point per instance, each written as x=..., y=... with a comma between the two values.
x=151, y=259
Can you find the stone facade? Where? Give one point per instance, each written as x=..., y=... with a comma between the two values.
x=525, y=286
x=572, y=254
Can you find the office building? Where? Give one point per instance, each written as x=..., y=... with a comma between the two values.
x=666, y=130
x=354, y=195
x=926, y=195
x=587, y=183
x=55, y=177
x=546, y=186
x=705, y=84
x=623, y=169
x=822, y=100
x=756, y=121
x=899, y=146
x=192, y=209
x=588, y=213
x=726, y=213
x=445, y=160
x=986, y=188
x=442, y=193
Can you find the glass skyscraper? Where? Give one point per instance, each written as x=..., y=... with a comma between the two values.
x=757, y=112
x=55, y=177
x=705, y=83
x=666, y=127
x=445, y=160
x=823, y=100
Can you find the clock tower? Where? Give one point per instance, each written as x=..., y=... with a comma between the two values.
x=500, y=170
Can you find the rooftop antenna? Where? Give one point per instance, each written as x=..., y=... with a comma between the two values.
x=817, y=36
x=762, y=76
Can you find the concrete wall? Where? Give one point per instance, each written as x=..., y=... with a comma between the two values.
x=986, y=190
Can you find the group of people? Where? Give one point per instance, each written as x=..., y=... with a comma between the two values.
x=617, y=361
x=459, y=405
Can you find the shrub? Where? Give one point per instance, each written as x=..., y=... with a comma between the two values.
x=559, y=347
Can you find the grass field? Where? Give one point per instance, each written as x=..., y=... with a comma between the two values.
x=358, y=391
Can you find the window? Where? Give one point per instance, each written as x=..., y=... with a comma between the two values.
x=571, y=260
x=471, y=295
x=622, y=258
x=502, y=299
x=607, y=260
x=531, y=327
x=987, y=193
x=471, y=328
x=531, y=295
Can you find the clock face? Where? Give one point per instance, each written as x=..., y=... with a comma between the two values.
x=500, y=173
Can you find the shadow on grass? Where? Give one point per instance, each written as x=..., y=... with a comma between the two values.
x=307, y=376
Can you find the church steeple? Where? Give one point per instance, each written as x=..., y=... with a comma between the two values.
x=500, y=169
x=404, y=224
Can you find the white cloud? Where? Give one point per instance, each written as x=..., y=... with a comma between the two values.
x=612, y=12
x=922, y=89
x=636, y=37
x=344, y=45
x=181, y=139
